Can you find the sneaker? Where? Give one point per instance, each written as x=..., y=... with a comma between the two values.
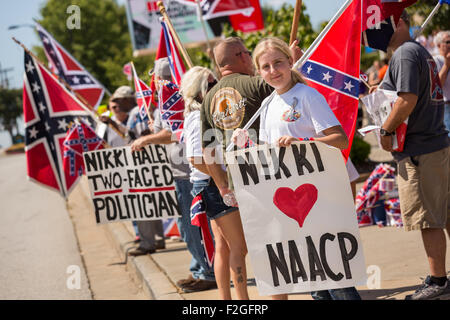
x=199, y=285
x=140, y=252
x=183, y=282
x=430, y=291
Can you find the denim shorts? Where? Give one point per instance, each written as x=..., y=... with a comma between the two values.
x=215, y=208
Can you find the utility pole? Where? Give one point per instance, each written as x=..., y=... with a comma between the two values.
x=4, y=80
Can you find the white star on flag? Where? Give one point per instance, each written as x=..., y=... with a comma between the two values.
x=36, y=87
x=327, y=76
x=33, y=132
x=42, y=107
x=47, y=127
x=30, y=67
x=309, y=69
x=62, y=124
x=76, y=80
x=348, y=85
x=87, y=80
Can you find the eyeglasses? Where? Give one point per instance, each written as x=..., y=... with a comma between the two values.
x=447, y=42
x=245, y=51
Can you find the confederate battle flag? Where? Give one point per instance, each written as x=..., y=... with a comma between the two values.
x=65, y=66
x=48, y=109
x=333, y=68
x=80, y=138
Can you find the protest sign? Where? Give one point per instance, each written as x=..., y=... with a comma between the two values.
x=379, y=105
x=298, y=217
x=127, y=185
x=145, y=26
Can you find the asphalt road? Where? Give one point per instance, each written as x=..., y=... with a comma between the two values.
x=39, y=254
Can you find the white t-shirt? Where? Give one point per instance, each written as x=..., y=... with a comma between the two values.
x=193, y=138
x=440, y=63
x=302, y=112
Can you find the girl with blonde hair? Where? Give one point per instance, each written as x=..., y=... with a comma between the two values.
x=294, y=112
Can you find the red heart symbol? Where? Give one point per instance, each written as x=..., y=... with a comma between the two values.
x=296, y=204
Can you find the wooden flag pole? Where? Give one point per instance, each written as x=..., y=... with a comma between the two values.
x=297, y=13
x=180, y=46
x=83, y=103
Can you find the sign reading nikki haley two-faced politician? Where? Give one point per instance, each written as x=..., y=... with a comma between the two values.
x=298, y=216
x=129, y=185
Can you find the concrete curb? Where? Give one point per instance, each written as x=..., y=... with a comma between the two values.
x=144, y=269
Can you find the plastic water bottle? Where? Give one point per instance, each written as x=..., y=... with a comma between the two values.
x=229, y=199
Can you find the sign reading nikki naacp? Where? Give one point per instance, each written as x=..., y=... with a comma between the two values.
x=298, y=216
x=129, y=185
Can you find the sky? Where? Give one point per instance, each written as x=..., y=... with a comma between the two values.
x=22, y=12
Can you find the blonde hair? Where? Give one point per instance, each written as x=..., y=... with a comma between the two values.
x=277, y=44
x=193, y=83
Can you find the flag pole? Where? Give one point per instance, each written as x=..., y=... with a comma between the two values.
x=180, y=46
x=320, y=37
x=136, y=79
x=297, y=13
x=81, y=101
x=432, y=14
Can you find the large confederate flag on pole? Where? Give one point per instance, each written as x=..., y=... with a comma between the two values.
x=64, y=65
x=333, y=68
x=48, y=109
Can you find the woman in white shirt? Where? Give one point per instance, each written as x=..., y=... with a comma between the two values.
x=292, y=113
x=194, y=86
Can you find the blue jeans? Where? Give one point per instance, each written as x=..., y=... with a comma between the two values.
x=337, y=294
x=190, y=234
x=215, y=208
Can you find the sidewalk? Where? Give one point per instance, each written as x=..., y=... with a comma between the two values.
x=399, y=255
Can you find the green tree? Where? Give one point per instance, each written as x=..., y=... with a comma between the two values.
x=441, y=21
x=10, y=109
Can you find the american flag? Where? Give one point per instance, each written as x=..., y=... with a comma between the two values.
x=68, y=68
x=143, y=95
x=380, y=19
x=199, y=219
x=371, y=192
x=171, y=106
x=80, y=138
x=334, y=68
x=48, y=109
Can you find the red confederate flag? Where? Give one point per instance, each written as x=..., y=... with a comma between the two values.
x=171, y=106
x=69, y=69
x=143, y=95
x=333, y=68
x=219, y=8
x=80, y=138
x=48, y=108
x=245, y=15
x=199, y=219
